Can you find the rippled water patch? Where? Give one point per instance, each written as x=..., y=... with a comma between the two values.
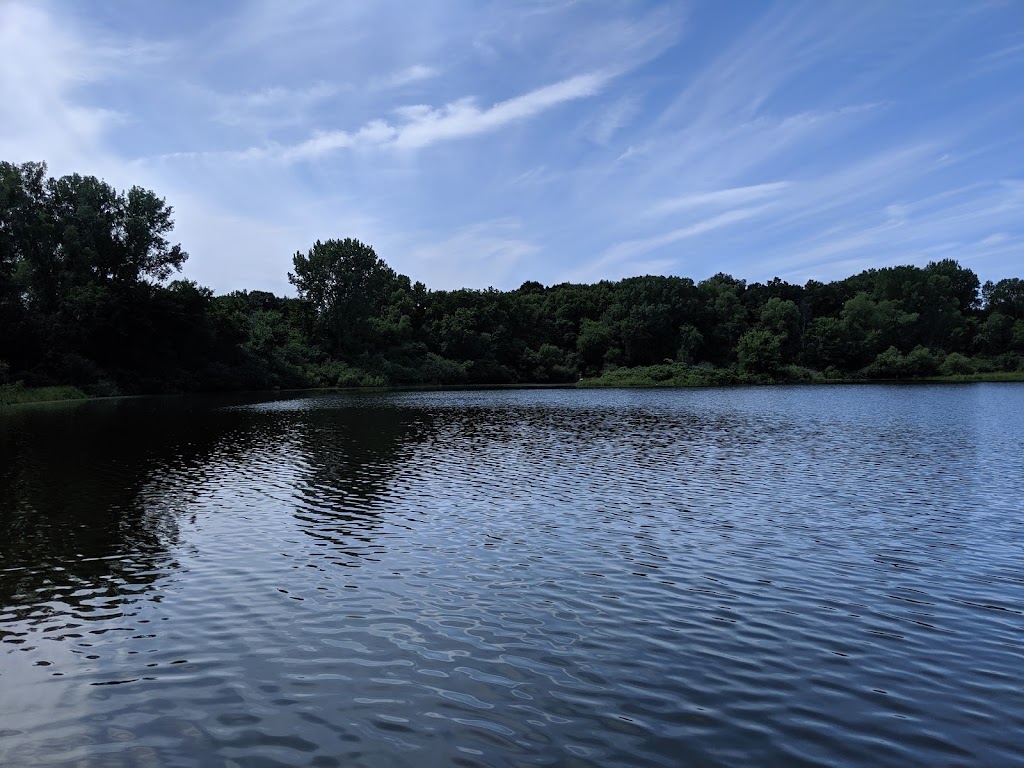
x=774, y=576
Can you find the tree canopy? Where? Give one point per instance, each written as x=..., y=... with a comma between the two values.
x=86, y=298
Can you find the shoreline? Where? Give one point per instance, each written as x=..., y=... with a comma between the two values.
x=37, y=395
x=995, y=377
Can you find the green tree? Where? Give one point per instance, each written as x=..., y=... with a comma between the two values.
x=105, y=236
x=690, y=342
x=827, y=343
x=723, y=317
x=994, y=334
x=873, y=326
x=1006, y=296
x=957, y=282
x=956, y=364
x=782, y=318
x=347, y=285
x=888, y=364
x=759, y=351
x=592, y=343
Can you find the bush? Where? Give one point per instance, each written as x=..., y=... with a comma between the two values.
x=797, y=374
x=11, y=393
x=674, y=375
x=104, y=388
x=488, y=372
x=440, y=370
x=1007, y=362
x=831, y=373
x=920, y=362
x=759, y=351
x=890, y=364
x=77, y=369
x=17, y=392
x=956, y=364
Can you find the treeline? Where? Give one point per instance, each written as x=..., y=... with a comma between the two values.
x=86, y=300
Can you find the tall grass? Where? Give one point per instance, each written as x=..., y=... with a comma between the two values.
x=981, y=376
x=16, y=393
x=679, y=375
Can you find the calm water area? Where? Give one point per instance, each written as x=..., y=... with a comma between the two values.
x=829, y=575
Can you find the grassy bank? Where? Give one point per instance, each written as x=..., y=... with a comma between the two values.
x=14, y=394
x=970, y=377
x=679, y=375
x=668, y=375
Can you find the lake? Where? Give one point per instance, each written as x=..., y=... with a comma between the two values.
x=770, y=576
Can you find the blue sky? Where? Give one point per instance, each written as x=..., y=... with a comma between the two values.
x=479, y=144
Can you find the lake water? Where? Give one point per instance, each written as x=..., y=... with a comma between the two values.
x=768, y=576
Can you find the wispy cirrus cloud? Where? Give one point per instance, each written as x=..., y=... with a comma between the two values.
x=412, y=74
x=617, y=260
x=488, y=143
x=727, y=197
x=971, y=222
x=481, y=254
x=271, y=107
x=41, y=119
x=613, y=119
x=463, y=118
x=421, y=125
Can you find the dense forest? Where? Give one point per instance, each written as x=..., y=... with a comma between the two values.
x=87, y=299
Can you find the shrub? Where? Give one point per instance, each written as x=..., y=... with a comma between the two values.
x=920, y=362
x=956, y=364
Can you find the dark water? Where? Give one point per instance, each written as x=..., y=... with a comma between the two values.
x=772, y=576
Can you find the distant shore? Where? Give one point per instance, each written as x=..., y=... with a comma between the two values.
x=628, y=378
x=16, y=394
x=676, y=375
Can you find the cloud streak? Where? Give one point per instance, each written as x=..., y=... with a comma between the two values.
x=414, y=74
x=420, y=126
x=619, y=255
x=728, y=197
x=481, y=254
x=485, y=144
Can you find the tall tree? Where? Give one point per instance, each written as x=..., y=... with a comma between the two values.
x=347, y=285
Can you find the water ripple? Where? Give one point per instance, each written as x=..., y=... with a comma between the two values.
x=780, y=576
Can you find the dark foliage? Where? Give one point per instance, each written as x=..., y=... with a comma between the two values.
x=85, y=301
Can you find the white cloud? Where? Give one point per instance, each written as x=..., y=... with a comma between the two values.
x=537, y=176
x=727, y=197
x=801, y=139
x=958, y=222
x=41, y=121
x=271, y=106
x=997, y=238
x=483, y=254
x=745, y=75
x=613, y=119
x=463, y=118
x=615, y=257
x=422, y=125
x=414, y=74
x=719, y=153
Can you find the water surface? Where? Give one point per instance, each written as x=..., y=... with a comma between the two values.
x=774, y=576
